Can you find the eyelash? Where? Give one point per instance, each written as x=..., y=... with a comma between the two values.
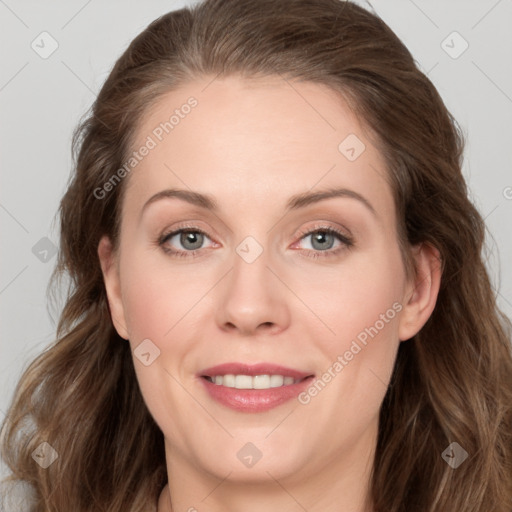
x=346, y=241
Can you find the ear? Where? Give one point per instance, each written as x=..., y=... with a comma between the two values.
x=110, y=269
x=422, y=290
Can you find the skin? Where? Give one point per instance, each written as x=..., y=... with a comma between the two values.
x=252, y=144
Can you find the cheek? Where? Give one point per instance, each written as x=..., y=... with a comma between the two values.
x=148, y=310
x=154, y=298
x=162, y=304
x=155, y=308
x=361, y=305
x=355, y=295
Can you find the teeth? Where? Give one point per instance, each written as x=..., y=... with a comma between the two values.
x=276, y=381
x=261, y=382
x=228, y=380
x=243, y=382
x=252, y=382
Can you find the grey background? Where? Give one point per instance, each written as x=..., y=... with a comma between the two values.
x=42, y=99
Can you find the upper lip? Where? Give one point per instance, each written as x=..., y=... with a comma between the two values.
x=252, y=369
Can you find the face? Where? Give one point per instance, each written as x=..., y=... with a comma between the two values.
x=289, y=266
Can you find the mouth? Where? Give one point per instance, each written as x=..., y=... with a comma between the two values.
x=253, y=388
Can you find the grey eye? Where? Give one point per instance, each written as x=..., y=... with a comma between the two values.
x=194, y=238
x=322, y=239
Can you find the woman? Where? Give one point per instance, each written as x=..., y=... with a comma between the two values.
x=256, y=369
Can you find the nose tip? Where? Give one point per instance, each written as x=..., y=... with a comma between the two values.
x=251, y=300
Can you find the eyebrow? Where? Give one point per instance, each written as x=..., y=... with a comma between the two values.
x=294, y=203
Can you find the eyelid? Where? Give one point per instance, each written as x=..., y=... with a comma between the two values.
x=319, y=226
x=175, y=230
x=190, y=225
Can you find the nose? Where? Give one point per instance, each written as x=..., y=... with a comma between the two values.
x=252, y=299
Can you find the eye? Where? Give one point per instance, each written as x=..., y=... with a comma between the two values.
x=323, y=239
x=191, y=240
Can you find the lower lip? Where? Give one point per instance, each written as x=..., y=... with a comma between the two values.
x=254, y=400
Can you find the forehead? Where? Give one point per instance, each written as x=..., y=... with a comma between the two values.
x=255, y=141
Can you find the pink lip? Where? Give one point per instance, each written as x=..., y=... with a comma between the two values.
x=253, y=400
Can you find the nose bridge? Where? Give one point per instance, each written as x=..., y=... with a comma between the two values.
x=250, y=278
x=251, y=297
x=250, y=266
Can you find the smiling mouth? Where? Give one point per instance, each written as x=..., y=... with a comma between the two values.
x=264, y=381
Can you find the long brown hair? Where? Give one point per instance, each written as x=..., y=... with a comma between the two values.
x=452, y=382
